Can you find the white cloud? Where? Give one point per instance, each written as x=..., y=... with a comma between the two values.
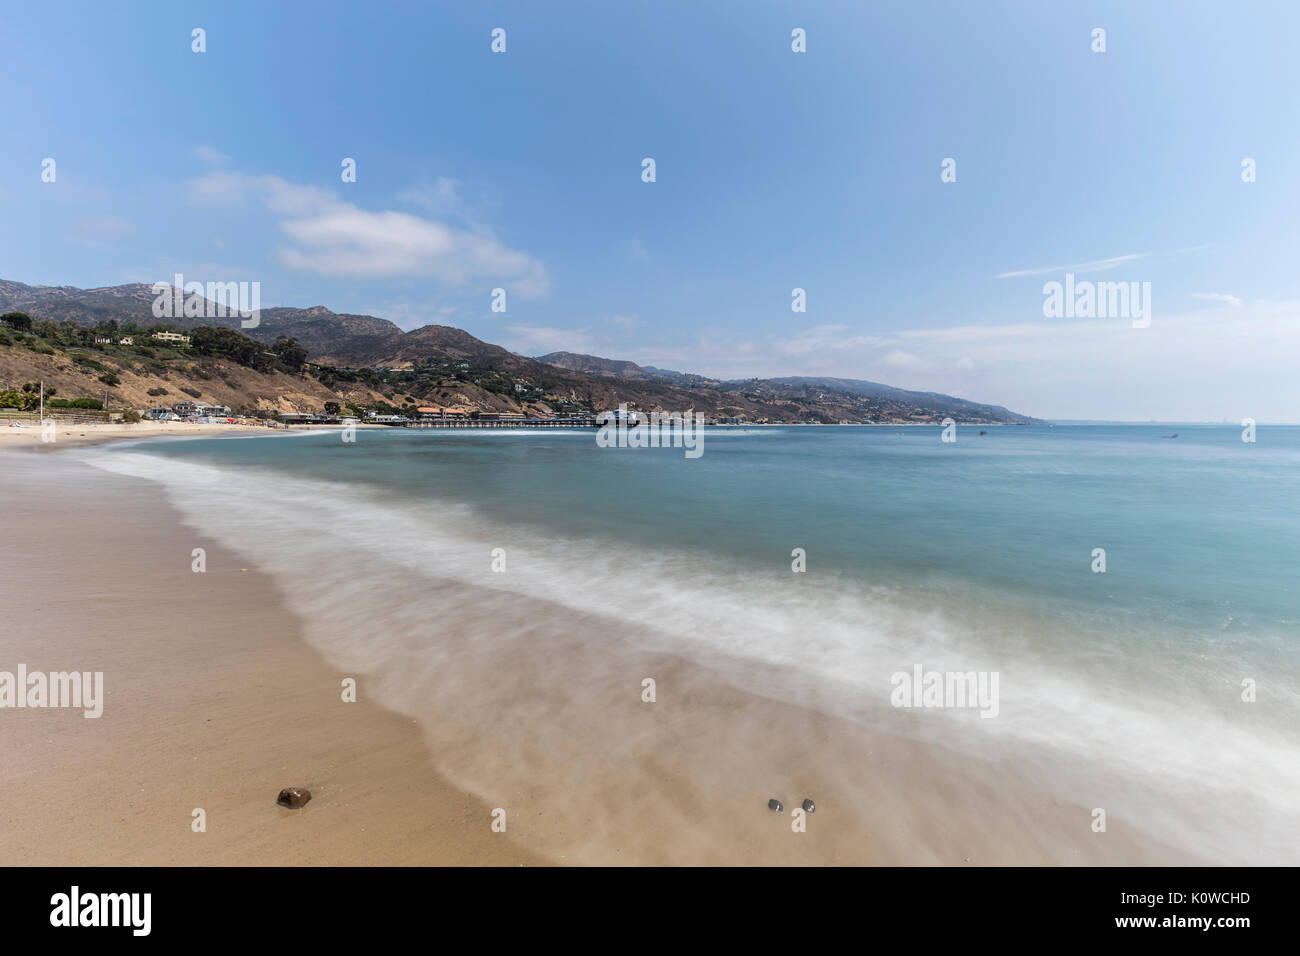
x=337, y=238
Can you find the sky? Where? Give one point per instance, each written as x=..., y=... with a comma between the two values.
x=775, y=170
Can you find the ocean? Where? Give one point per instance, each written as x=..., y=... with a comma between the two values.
x=1164, y=689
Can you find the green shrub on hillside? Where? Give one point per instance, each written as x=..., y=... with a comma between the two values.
x=20, y=321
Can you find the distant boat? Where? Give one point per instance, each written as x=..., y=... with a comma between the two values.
x=1174, y=435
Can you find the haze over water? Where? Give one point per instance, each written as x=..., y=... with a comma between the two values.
x=1119, y=690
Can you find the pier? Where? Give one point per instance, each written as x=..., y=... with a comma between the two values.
x=480, y=423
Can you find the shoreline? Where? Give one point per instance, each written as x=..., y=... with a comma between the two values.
x=590, y=778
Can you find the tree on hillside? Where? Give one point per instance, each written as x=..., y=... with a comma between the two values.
x=207, y=340
x=293, y=355
x=18, y=321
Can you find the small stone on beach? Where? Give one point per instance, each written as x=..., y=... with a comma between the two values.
x=809, y=806
x=775, y=804
x=293, y=797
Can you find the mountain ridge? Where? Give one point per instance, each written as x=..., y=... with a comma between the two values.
x=442, y=364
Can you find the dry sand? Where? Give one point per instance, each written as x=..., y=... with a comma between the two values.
x=30, y=432
x=213, y=700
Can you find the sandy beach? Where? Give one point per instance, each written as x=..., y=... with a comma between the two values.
x=29, y=433
x=211, y=701
x=214, y=700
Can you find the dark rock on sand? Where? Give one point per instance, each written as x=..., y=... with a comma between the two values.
x=293, y=797
x=775, y=804
x=809, y=806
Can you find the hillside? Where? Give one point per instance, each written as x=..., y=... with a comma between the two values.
x=367, y=362
x=592, y=365
x=880, y=396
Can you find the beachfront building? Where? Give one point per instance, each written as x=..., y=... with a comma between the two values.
x=172, y=338
x=439, y=414
x=200, y=410
x=308, y=418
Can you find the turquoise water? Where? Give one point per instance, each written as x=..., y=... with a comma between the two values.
x=973, y=555
x=1202, y=531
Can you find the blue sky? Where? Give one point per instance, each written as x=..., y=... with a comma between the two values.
x=775, y=170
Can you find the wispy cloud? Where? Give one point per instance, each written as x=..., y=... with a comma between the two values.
x=824, y=338
x=103, y=227
x=101, y=233
x=438, y=198
x=211, y=155
x=540, y=340
x=1096, y=265
x=408, y=314
x=606, y=337
x=1088, y=369
x=1228, y=300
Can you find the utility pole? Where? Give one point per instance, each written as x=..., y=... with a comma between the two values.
x=42, y=401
